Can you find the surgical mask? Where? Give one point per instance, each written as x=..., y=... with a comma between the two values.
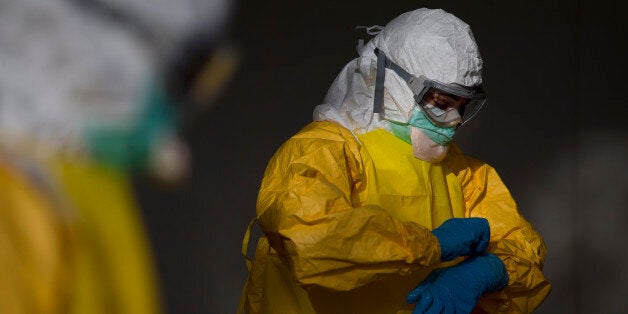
x=439, y=135
x=130, y=144
x=429, y=142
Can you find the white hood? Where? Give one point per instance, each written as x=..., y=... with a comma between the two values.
x=426, y=42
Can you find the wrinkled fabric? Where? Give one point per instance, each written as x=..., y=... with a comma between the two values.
x=347, y=209
x=347, y=222
x=426, y=42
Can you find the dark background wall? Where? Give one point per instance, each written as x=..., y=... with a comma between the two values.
x=554, y=127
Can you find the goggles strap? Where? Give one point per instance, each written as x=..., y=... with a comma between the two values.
x=401, y=72
x=382, y=64
x=415, y=84
x=378, y=98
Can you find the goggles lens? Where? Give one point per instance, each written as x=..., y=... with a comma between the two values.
x=446, y=109
x=445, y=105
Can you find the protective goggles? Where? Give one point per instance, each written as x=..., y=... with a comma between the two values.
x=445, y=105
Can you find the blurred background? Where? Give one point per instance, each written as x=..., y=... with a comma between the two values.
x=241, y=78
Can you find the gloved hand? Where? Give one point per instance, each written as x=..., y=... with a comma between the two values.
x=462, y=237
x=457, y=289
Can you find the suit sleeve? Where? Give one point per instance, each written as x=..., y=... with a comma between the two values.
x=309, y=209
x=513, y=240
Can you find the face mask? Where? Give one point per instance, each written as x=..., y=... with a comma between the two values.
x=429, y=142
x=439, y=135
x=130, y=145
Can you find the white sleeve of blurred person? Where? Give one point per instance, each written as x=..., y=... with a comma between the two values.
x=65, y=72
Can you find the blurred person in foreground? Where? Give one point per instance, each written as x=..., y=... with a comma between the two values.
x=84, y=103
x=373, y=208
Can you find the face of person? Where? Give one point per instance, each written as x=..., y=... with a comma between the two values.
x=445, y=101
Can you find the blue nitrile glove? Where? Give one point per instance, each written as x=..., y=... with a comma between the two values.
x=457, y=289
x=462, y=237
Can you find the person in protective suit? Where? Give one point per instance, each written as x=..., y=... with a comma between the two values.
x=372, y=208
x=86, y=102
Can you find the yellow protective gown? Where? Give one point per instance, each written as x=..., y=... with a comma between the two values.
x=76, y=247
x=113, y=265
x=35, y=246
x=347, y=226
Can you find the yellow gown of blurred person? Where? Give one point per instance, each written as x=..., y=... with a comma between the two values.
x=76, y=248
x=71, y=235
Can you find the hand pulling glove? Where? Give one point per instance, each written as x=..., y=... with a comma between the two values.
x=457, y=289
x=462, y=237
